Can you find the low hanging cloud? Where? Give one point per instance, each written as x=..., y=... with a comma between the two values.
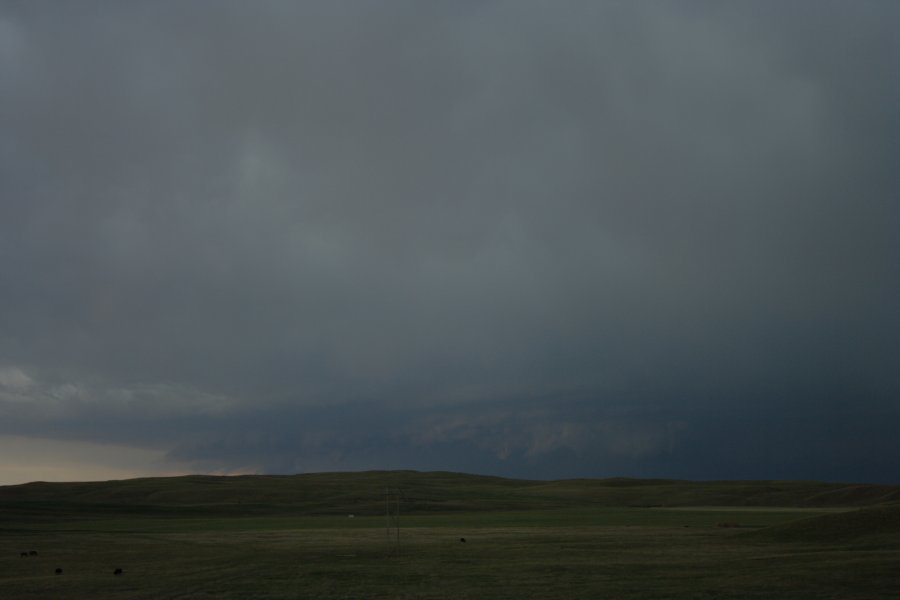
x=586, y=238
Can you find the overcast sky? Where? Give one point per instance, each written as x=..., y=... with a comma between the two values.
x=533, y=239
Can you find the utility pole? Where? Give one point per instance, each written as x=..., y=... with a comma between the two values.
x=392, y=499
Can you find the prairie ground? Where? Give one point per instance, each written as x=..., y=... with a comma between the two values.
x=590, y=553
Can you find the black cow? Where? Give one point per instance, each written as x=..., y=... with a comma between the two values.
x=463, y=540
x=32, y=553
x=117, y=572
x=58, y=571
x=23, y=554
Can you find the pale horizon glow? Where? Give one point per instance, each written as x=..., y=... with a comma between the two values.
x=26, y=460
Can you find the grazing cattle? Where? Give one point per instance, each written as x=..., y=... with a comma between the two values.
x=32, y=553
x=463, y=540
x=24, y=554
x=117, y=572
x=58, y=571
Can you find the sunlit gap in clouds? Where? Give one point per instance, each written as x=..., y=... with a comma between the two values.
x=25, y=459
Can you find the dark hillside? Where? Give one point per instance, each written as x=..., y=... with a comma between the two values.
x=363, y=493
x=879, y=525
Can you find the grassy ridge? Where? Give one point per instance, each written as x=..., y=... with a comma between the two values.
x=363, y=493
x=878, y=525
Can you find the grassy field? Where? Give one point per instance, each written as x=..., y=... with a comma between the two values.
x=564, y=550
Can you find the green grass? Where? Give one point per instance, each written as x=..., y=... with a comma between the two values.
x=528, y=561
x=746, y=517
x=362, y=493
x=557, y=540
x=878, y=526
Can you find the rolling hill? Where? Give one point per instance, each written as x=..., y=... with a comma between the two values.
x=879, y=525
x=423, y=492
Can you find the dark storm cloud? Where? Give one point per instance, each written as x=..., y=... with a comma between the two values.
x=525, y=238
